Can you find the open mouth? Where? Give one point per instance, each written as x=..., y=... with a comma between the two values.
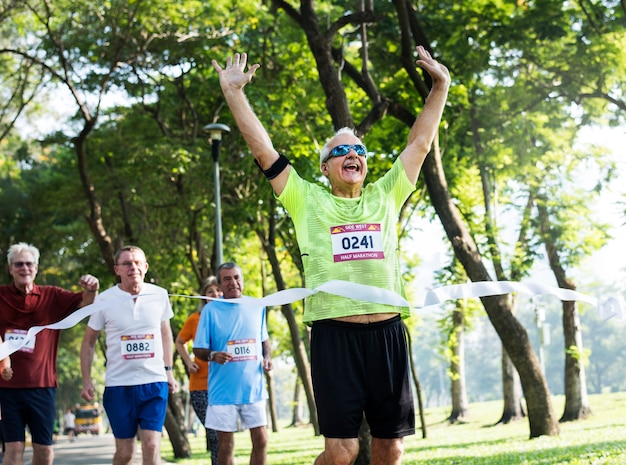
x=352, y=166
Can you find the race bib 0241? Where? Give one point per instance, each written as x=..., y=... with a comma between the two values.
x=357, y=242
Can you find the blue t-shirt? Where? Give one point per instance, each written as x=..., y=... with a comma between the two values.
x=239, y=329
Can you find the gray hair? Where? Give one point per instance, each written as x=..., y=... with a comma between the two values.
x=225, y=266
x=326, y=149
x=22, y=247
x=208, y=282
x=128, y=248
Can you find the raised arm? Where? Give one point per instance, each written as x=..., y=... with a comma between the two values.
x=233, y=78
x=90, y=284
x=426, y=125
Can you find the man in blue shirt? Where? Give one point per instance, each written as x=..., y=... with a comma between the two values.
x=234, y=337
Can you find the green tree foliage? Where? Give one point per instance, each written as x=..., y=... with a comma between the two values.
x=526, y=76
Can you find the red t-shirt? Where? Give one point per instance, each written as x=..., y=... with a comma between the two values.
x=34, y=365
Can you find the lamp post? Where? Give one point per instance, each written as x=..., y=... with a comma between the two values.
x=543, y=328
x=215, y=131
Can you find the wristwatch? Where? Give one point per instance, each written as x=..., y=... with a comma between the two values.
x=168, y=368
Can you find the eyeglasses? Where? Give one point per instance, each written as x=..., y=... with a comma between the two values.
x=21, y=264
x=344, y=149
x=129, y=264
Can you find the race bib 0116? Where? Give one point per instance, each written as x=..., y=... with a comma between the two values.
x=242, y=349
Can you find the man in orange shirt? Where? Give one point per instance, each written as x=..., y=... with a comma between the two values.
x=199, y=369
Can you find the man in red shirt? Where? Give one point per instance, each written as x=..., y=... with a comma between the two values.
x=28, y=399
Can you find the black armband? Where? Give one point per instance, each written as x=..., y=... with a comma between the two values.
x=277, y=168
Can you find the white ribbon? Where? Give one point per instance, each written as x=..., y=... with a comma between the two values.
x=13, y=345
x=606, y=310
x=341, y=288
x=609, y=309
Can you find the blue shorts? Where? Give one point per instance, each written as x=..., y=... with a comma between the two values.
x=34, y=407
x=129, y=407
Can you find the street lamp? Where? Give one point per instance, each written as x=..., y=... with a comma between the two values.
x=215, y=131
x=543, y=328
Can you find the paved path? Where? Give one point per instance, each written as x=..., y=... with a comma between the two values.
x=85, y=450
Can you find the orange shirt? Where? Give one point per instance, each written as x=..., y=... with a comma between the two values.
x=197, y=381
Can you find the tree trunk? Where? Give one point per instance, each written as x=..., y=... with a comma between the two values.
x=513, y=405
x=94, y=219
x=513, y=408
x=512, y=334
x=295, y=411
x=416, y=382
x=576, y=398
x=302, y=363
x=269, y=379
x=511, y=390
x=458, y=390
x=175, y=426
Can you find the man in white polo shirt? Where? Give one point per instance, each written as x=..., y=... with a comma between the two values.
x=139, y=350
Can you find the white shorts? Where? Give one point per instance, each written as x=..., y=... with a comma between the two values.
x=224, y=417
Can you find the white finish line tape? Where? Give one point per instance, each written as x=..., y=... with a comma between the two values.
x=606, y=310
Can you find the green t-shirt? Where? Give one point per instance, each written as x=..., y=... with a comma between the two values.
x=352, y=240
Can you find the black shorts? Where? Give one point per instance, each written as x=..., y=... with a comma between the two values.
x=34, y=408
x=362, y=369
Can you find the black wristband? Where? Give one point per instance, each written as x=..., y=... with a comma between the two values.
x=168, y=368
x=276, y=168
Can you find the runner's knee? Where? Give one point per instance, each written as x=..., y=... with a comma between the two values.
x=339, y=452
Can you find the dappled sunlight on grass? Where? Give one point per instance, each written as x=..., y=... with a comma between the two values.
x=597, y=440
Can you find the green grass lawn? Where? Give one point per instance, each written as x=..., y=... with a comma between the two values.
x=599, y=439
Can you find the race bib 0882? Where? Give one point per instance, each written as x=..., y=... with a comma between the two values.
x=137, y=346
x=20, y=335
